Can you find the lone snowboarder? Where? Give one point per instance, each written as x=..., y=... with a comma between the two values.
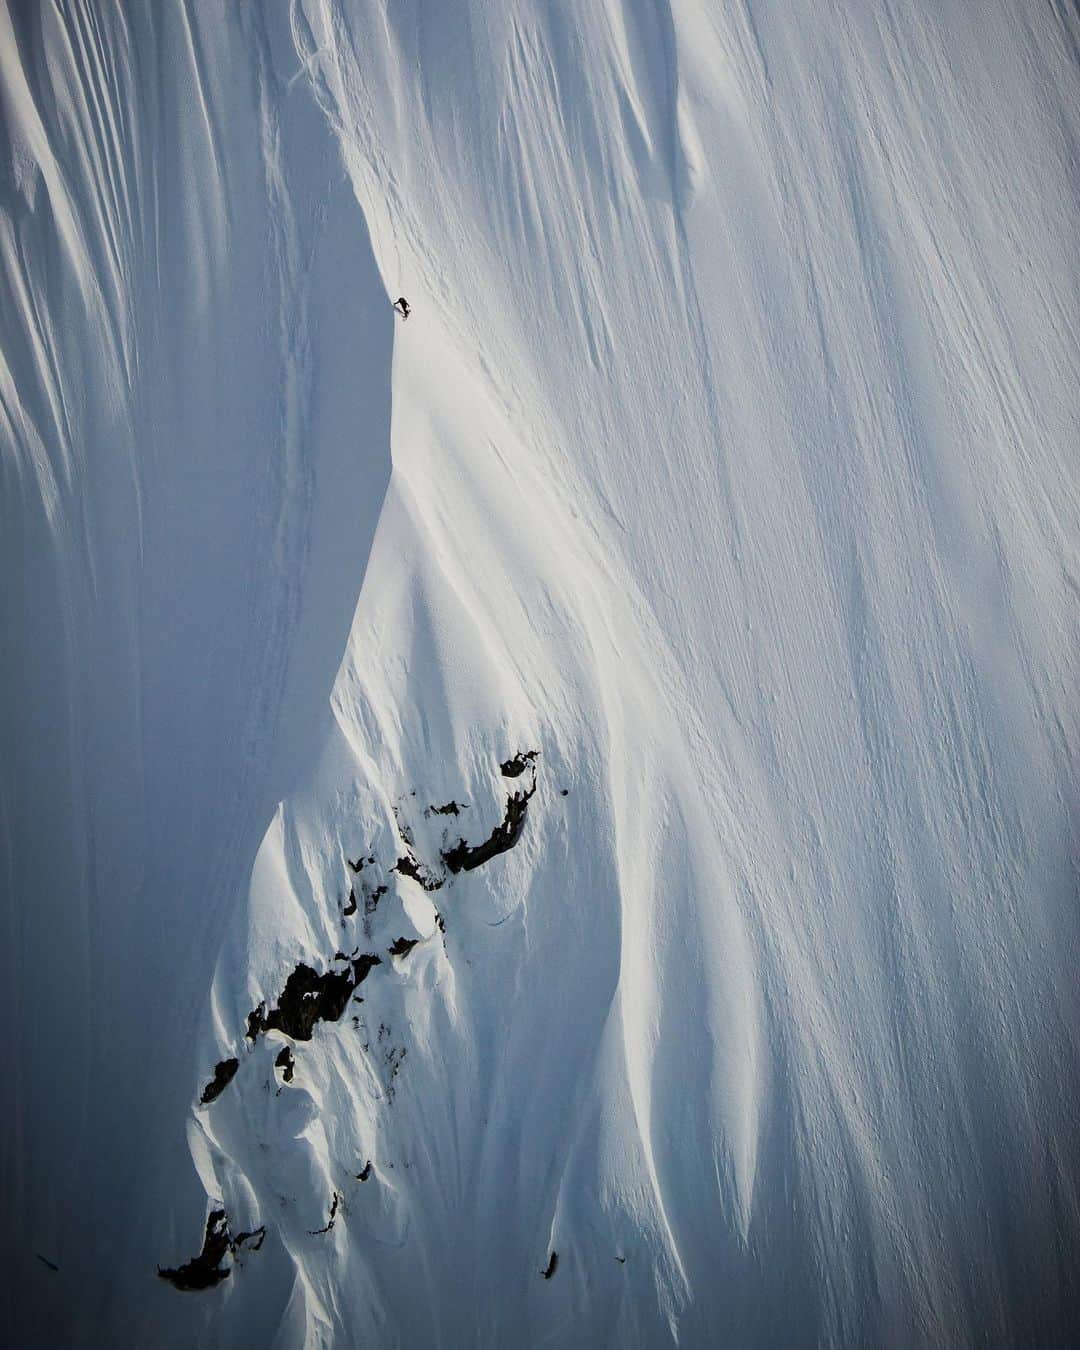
x=403, y=307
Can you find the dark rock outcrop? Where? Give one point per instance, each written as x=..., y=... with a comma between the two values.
x=309, y=997
x=514, y=768
x=409, y=866
x=464, y=857
x=205, y=1270
x=330, y=1222
x=256, y=1238
x=224, y=1073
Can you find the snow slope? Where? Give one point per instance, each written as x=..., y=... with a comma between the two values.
x=729, y=461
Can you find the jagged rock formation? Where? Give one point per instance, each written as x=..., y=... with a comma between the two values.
x=224, y=1072
x=206, y=1270
x=310, y=997
x=465, y=857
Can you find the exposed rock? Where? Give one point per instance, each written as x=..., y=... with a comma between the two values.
x=409, y=866
x=256, y=1022
x=205, y=1270
x=450, y=809
x=286, y=1063
x=256, y=1238
x=364, y=1172
x=553, y=1262
x=464, y=857
x=309, y=997
x=361, y=862
x=330, y=1222
x=224, y=1073
x=350, y=904
x=363, y=966
x=403, y=946
x=514, y=768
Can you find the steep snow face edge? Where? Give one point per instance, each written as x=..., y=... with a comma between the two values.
x=195, y=447
x=733, y=438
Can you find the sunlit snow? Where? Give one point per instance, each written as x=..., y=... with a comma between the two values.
x=728, y=460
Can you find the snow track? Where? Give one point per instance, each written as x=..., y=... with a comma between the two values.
x=729, y=462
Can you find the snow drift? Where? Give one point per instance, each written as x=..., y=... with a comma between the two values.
x=582, y=783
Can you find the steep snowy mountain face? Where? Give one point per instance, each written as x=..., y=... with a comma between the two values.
x=551, y=823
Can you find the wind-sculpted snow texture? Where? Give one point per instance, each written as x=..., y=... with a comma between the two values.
x=728, y=461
